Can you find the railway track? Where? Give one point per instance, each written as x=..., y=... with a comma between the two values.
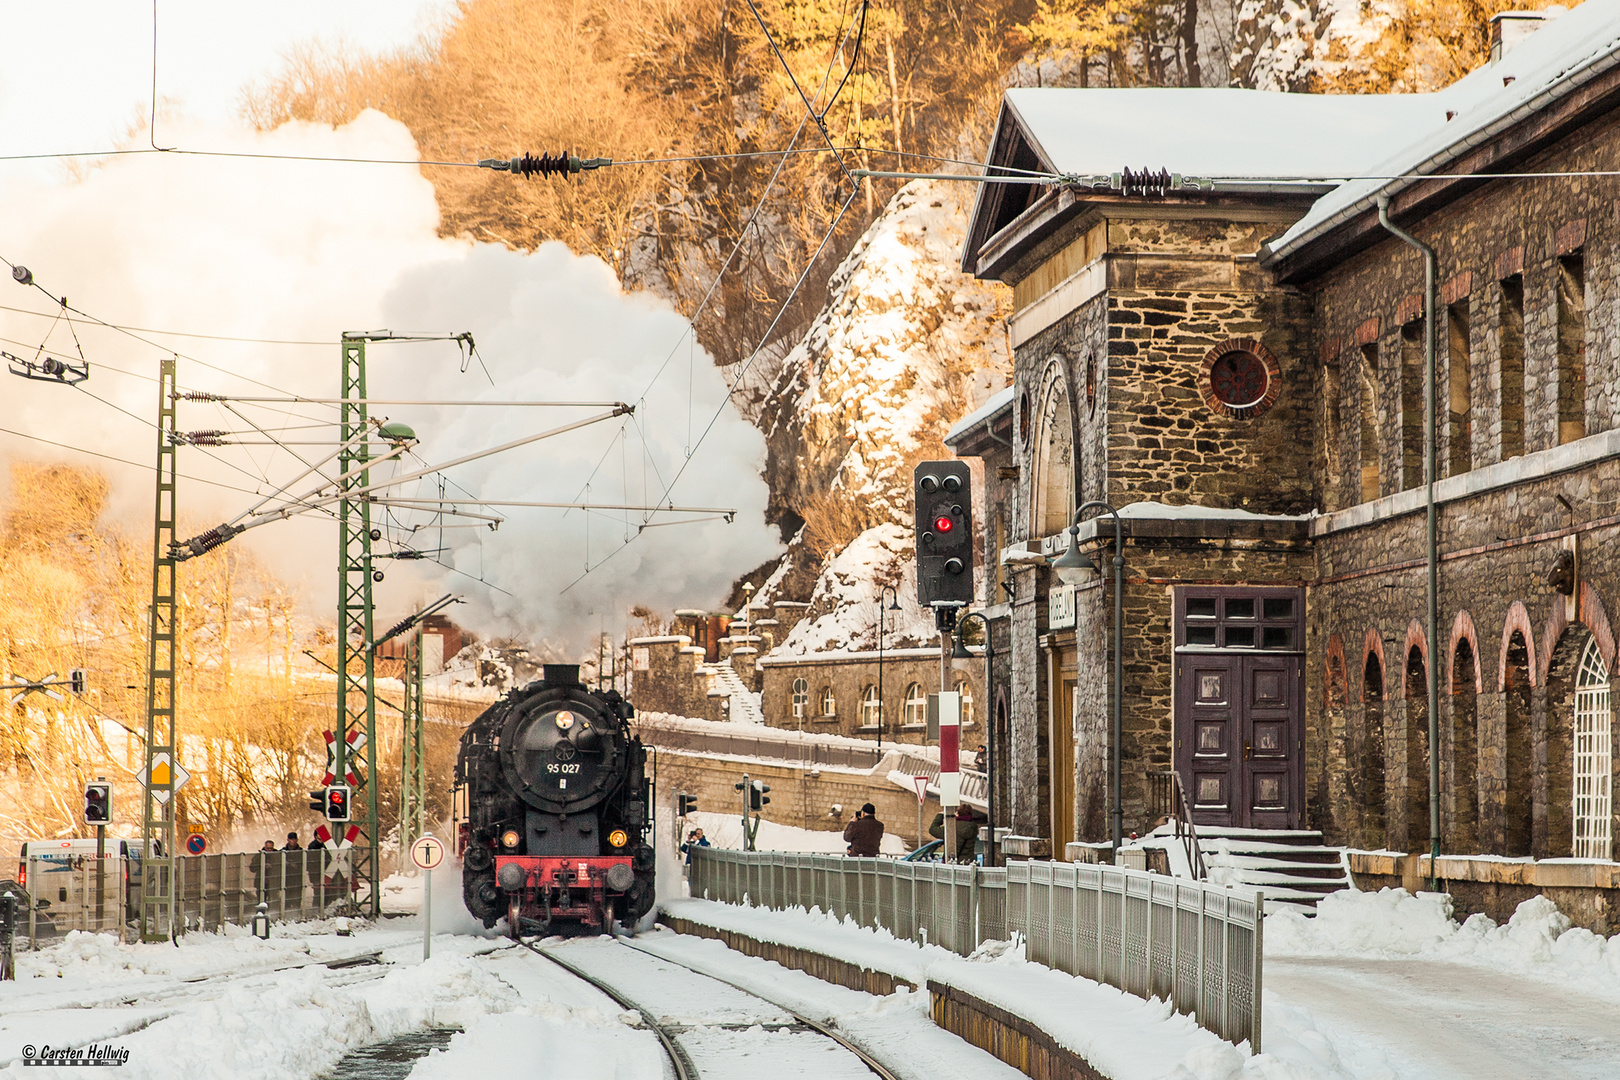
x=773, y=1016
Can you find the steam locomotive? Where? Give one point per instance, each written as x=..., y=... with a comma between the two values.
x=552, y=807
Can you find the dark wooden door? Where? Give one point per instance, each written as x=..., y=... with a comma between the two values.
x=1238, y=738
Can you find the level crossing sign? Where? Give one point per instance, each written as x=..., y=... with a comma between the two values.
x=427, y=852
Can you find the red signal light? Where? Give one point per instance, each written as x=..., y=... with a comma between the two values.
x=944, y=524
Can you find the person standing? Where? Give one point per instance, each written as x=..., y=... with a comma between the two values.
x=968, y=821
x=864, y=835
x=292, y=843
x=694, y=839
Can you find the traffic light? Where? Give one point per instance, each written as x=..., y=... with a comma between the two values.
x=337, y=802
x=76, y=680
x=317, y=801
x=756, y=795
x=685, y=804
x=98, y=804
x=942, y=493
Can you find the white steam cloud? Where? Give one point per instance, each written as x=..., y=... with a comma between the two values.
x=302, y=251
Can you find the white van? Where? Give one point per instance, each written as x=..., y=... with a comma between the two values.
x=62, y=856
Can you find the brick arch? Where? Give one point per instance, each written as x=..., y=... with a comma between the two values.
x=1590, y=610
x=1335, y=680
x=1517, y=619
x=1373, y=645
x=1462, y=629
x=1414, y=639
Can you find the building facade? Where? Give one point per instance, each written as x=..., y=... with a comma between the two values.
x=1234, y=357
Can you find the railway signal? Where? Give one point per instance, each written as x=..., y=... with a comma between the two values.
x=337, y=802
x=756, y=795
x=685, y=804
x=943, y=500
x=98, y=804
x=753, y=801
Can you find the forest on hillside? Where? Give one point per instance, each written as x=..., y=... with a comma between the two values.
x=892, y=84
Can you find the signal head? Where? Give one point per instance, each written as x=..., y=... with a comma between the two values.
x=953, y=484
x=944, y=524
x=928, y=484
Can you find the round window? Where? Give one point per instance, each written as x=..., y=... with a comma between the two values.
x=1238, y=379
x=1241, y=378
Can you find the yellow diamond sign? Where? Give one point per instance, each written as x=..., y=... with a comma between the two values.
x=165, y=773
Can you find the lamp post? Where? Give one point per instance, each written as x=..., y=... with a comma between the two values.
x=894, y=605
x=959, y=652
x=1071, y=567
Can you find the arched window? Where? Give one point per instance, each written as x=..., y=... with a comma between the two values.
x=869, y=708
x=801, y=698
x=827, y=703
x=1593, y=753
x=965, y=689
x=916, y=706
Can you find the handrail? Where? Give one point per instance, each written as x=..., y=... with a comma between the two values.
x=1179, y=812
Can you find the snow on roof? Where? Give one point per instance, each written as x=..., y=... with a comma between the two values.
x=1216, y=131
x=1557, y=59
x=999, y=402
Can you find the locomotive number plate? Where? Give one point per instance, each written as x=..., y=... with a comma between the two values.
x=570, y=769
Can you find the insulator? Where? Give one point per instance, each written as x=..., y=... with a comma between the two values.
x=22, y=275
x=545, y=165
x=200, y=395
x=203, y=543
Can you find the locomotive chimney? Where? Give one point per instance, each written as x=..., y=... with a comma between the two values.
x=567, y=674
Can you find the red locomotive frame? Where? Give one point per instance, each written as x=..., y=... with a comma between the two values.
x=565, y=886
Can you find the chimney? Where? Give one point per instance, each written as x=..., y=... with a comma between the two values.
x=1508, y=28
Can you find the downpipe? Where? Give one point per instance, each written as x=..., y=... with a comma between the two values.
x=1431, y=534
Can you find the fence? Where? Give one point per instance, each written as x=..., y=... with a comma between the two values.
x=210, y=890
x=1195, y=945
x=784, y=747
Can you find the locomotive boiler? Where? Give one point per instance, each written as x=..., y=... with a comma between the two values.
x=552, y=805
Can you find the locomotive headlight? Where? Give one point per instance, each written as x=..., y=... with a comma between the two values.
x=618, y=838
x=565, y=720
x=510, y=838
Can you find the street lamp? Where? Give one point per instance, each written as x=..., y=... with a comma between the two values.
x=1071, y=567
x=894, y=605
x=959, y=652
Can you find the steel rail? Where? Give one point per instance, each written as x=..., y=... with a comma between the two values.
x=818, y=1026
x=684, y=1069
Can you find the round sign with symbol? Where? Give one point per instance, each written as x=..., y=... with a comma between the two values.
x=195, y=843
x=427, y=852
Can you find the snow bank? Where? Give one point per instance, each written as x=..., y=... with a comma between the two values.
x=1125, y=1037
x=725, y=830
x=1537, y=941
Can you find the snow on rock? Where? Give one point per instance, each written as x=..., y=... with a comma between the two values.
x=843, y=613
x=906, y=345
x=1393, y=923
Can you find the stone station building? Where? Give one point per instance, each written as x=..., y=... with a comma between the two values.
x=1233, y=356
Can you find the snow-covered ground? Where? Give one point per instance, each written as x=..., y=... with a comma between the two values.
x=725, y=830
x=1380, y=986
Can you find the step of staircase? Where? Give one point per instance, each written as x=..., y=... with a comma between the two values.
x=745, y=706
x=1292, y=868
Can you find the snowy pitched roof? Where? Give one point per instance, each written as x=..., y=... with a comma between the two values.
x=1214, y=131
x=1565, y=54
x=1000, y=402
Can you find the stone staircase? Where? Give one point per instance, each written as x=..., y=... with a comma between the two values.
x=1292, y=868
x=744, y=702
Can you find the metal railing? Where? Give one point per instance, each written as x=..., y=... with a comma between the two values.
x=1167, y=798
x=1195, y=945
x=975, y=785
x=210, y=890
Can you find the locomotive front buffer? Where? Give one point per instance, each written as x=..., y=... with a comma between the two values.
x=575, y=888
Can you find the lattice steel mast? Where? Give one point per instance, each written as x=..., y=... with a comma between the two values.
x=356, y=660
x=413, y=770
x=162, y=658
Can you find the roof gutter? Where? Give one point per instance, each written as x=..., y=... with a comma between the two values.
x=1425, y=169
